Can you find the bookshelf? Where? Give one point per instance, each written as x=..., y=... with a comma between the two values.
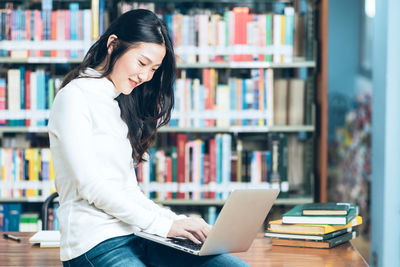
x=309, y=65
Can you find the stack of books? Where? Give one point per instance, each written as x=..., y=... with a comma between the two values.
x=316, y=225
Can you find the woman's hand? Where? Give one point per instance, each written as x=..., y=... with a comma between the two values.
x=195, y=229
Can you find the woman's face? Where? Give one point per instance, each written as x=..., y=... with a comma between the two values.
x=136, y=66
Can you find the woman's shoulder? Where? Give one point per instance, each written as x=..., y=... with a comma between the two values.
x=79, y=86
x=72, y=89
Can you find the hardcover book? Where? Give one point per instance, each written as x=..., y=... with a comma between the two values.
x=329, y=243
x=308, y=237
x=330, y=208
x=295, y=215
x=278, y=226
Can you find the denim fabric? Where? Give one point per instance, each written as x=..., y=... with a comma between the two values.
x=135, y=251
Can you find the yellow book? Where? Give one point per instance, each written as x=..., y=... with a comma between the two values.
x=29, y=157
x=306, y=229
x=95, y=19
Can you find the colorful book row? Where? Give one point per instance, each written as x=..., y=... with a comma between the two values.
x=210, y=169
x=14, y=219
x=27, y=90
x=23, y=170
x=47, y=24
x=252, y=94
x=233, y=35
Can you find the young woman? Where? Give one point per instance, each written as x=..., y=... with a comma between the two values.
x=101, y=125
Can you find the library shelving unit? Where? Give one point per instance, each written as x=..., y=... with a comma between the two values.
x=262, y=150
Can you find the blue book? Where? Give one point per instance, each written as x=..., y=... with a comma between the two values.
x=41, y=94
x=289, y=29
x=73, y=30
x=226, y=161
x=268, y=161
x=6, y=220
x=168, y=23
x=14, y=215
x=232, y=97
x=152, y=172
x=102, y=7
x=202, y=152
x=244, y=104
x=56, y=223
x=22, y=93
x=2, y=217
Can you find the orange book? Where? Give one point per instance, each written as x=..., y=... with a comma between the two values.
x=181, y=140
x=28, y=28
x=53, y=34
x=240, y=35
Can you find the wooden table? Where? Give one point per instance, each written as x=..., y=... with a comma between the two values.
x=261, y=253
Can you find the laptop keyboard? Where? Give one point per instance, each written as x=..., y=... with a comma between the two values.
x=187, y=243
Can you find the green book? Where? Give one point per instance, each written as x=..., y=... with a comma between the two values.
x=295, y=215
x=308, y=237
x=328, y=243
x=174, y=156
x=330, y=208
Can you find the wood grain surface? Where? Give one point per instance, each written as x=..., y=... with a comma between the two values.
x=261, y=253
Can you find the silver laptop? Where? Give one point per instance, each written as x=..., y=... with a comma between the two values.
x=236, y=227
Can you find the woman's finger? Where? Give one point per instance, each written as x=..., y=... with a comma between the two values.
x=190, y=236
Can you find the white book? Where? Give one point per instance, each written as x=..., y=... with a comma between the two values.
x=61, y=30
x=203, y=38
x=277, y=38
x=223, y=103
x=46, y=238
x=13, y=90
x=87, y=28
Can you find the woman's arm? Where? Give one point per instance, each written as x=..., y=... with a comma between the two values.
x=71, y=124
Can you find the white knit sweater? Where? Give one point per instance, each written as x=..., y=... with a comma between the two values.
x=99, y=194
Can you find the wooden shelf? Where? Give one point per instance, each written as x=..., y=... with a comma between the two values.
x=215, y=65
x=232, y=129
x=298, y=63
x=177, y=202
x=215, y=202
x=5, y=129
x=241, y=129
x=40, y=60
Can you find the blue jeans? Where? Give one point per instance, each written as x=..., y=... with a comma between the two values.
x=130, y=250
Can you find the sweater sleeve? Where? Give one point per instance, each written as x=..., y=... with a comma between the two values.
x=70, y=124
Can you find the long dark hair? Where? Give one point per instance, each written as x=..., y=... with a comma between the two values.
x=149, y=105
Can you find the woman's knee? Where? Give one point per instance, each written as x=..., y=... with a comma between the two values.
x=225, y=260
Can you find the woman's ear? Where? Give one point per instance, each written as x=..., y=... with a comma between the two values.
x=111, y=42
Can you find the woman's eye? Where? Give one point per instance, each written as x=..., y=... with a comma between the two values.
x=141, y=63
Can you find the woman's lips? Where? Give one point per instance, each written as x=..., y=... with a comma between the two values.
x=133, y=83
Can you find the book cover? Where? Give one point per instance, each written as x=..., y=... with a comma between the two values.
x=296, y=101
x=280, y=101
x=2, y=98
x=212, y=150
x=180, y=142
x=329, y=208
x=329, y=243
x=174, y=162
x=278, y=226
x=295, y=215
x=308, y=237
